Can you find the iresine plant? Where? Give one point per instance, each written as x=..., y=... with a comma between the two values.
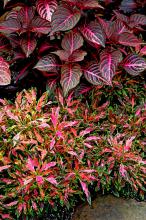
x=53, y=152
x=69, y=42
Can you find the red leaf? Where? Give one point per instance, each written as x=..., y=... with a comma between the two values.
x=5, y=74
x=28, y=44
x=46, y=8
x=72, y=41
x=94, y=33
x=47, y=63
x=128, y=39
x=66, y=20
x=84, y=4
x=108, y=64
x=77, y=55
x=25, y=15
x=70, y=77
x=137, y=19
x=93, y=74
x=143, y=51
x=9, y=26
x=40, y=25
x=134, y=64
x=86, y=191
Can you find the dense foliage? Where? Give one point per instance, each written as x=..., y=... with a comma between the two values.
x=56, y=151
x=70, y=41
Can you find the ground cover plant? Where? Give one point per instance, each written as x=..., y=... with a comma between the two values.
x=53, y=152
x=68, y=42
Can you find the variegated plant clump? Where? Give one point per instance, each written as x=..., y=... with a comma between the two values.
x=52, y=151
x=70, y=41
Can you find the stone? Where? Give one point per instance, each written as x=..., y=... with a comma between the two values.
x=111, y=208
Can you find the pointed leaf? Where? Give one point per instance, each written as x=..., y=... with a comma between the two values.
x=137, y=19
x=94, y=33
x=25, y=15
x=28, y=44
x=52, y=180
x=86, y=191
x=5, y=74
x=72, y=41
x=93, y=74
x=134, y=64
x=40, y=25
x=128, y=39
x=77, y=56
x=4, y=167
x=90, y=4
x=48, y=165
x=108, y=64
x=9, y=26
x=70, y=77
x=47, y=63
x=46, y=8
x=66, y=20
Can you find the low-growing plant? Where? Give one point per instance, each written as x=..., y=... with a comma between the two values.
x=70, y=41
x=52, y=151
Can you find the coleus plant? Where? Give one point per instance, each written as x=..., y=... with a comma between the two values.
x=52, y=151
x=70, y=42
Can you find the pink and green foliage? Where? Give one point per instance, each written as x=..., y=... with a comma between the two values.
x=52, y=152
x=69, y=41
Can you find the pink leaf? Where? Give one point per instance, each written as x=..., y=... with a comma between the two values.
x=47, y=63
x=86, y=191
x=28, y=44
x=10, y=26
x=47, y=166
x=5, y=74
x=108, y=64
x=46, y=8
x=134, y=64
x=93, y=74
x=30, y=164
x=72, y=41
x=66, y=20
x=40, y=180
x=40, y=25
x=128, y=39
x=12, y=204
x=55, y=116
x=123, y=171
x=4, y=167
x=70, y=77
x=137, y=19
x=25, y=15
x=143, y=51
x=94, y=33
x=86, y=131
x=52, y=180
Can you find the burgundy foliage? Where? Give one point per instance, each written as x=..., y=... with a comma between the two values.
x=70, y=41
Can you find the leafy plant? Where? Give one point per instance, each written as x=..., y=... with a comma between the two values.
x=69, y=42
x=54, y=151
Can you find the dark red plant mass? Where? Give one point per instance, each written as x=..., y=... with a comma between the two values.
x=60, y=39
